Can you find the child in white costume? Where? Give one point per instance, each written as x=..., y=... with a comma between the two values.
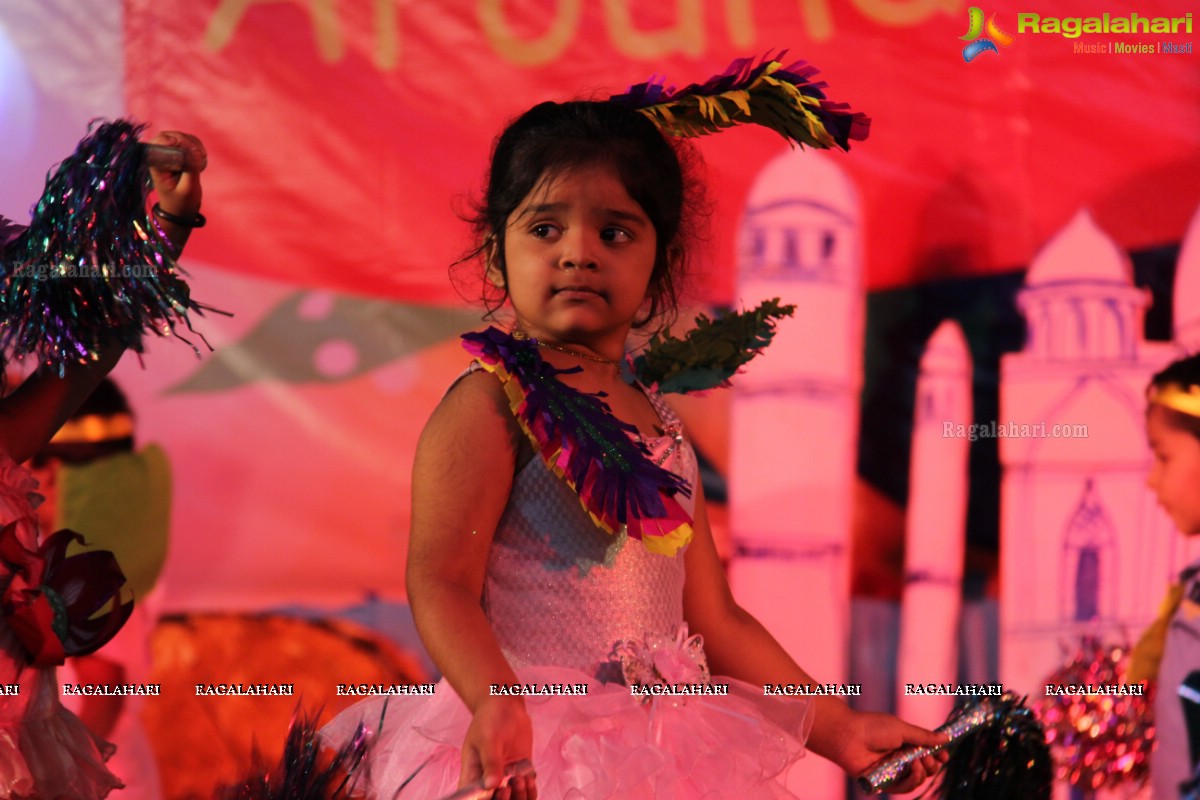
x=560, y=568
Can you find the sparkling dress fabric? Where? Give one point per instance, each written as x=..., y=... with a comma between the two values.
x=560, y=593
x=46, y=752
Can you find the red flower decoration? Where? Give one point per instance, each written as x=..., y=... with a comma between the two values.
x=51, y=600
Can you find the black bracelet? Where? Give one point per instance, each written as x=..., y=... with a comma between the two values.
x=197, y=221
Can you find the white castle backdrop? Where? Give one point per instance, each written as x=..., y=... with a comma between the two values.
x=1084, y=548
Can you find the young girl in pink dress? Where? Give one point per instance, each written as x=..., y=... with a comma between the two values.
x=548, y=585
x=46, y=752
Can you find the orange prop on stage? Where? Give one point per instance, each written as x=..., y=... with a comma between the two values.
x=203, y=742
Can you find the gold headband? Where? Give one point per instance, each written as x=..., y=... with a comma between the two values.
x=1185, y=400
x=94, y=428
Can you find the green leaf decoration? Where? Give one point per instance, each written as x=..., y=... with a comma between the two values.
x=712, y=352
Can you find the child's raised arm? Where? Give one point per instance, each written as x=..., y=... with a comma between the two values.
x=462, y=477
x=739, y=646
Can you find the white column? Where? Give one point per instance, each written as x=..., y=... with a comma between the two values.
x=936, y=527
x=794, y=422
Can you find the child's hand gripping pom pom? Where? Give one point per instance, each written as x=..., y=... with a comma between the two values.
x=999, y=752
x=92, y=269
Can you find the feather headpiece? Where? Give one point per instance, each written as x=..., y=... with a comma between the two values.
x=785, y=99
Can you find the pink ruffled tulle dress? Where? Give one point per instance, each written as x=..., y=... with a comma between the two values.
x=561, y=594
x=46, y=752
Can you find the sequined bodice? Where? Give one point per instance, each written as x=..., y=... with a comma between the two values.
x=560, y=590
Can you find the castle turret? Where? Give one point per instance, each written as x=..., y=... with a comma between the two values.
x=1080, y=302
x=794, y=419
x=1080, y=542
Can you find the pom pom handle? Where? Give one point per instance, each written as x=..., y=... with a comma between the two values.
x=161, y=156
x=166, y=157
x=171, y=159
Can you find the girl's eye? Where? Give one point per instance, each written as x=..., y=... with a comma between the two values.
x=615, y=235
x=543, y=230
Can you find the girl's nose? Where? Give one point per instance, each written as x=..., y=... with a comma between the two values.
x=578, y=251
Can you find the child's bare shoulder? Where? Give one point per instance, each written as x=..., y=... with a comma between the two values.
x=477, y=390
x=475, y=407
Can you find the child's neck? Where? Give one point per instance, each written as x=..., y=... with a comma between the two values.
x=580, y=354
x=588, y=374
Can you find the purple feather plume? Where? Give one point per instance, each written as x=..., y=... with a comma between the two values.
x=578, y=436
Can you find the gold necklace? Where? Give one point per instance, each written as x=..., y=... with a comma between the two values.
x=568, y=351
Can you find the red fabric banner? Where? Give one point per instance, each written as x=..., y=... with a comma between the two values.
x=347, y=136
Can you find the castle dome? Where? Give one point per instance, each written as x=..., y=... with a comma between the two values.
x=1081, y=251
x=804, y=174
x=1079, y=298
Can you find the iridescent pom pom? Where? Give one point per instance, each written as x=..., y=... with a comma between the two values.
x=1101, y=740
x=91, y=268
x=306, y=770
x=998, y=752
x=1004, y=760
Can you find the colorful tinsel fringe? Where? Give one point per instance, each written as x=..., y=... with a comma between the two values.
x=90, y=269
x=581, y=441
x=1004, y=759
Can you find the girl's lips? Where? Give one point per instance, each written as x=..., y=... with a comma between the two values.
x=578, y=290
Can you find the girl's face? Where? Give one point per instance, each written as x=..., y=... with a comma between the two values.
x=579, y=253
x=1175, y=476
